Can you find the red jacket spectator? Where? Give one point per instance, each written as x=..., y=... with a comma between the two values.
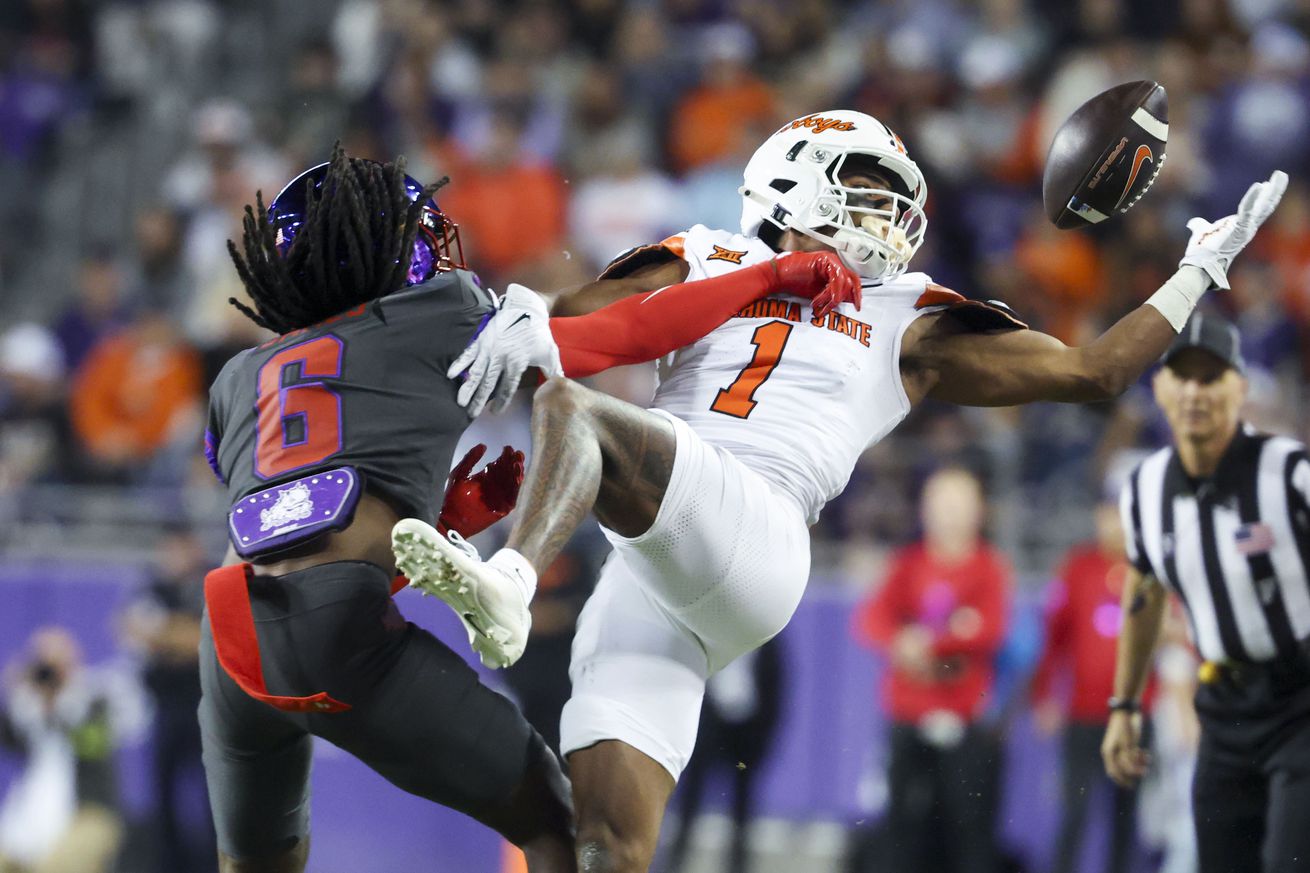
x=1082, y=632
x=1083, y=617
x=963, y=606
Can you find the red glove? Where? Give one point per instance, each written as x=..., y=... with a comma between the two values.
x=475, y=502
x=820, y=275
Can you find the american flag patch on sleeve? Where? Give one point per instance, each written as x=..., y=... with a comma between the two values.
x=1254, y=538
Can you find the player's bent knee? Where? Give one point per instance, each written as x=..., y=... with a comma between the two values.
x=537, y=813
x=603, y=849
x=559, y=396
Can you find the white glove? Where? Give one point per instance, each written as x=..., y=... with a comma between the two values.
x=517, y=337
x=1213, y=246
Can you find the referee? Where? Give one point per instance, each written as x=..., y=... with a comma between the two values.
x=1221, y=518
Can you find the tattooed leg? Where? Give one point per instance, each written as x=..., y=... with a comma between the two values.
x=590, y=451
x=593, y=452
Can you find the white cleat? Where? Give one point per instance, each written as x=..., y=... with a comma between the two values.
x=489, y=601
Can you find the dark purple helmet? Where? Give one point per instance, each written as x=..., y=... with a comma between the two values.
x=437, y=247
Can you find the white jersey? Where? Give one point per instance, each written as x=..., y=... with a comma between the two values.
x=794, y=398
x=769, y=413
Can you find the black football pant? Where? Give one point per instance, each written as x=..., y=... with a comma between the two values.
x=1083, y=773
x=942, y=810
x=176, y=751
x=1251, y=794
x=420, y=717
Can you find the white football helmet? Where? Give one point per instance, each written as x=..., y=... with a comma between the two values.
x=793, y=182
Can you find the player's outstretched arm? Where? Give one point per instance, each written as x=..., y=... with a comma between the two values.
x=645, y=327
x=943, y=361
x=1023, y=366
x=635, y=329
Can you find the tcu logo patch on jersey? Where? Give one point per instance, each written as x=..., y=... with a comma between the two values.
x=722, y=254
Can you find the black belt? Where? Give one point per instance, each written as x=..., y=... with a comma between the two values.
x=1286, y=672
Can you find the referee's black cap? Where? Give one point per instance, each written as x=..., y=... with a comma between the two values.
x=1215, y=335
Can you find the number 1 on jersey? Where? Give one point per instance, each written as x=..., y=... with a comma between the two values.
x=737, y=399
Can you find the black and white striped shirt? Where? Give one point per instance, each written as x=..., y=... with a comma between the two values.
x=1235, y=546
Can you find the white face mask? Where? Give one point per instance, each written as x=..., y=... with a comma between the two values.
x=891, y=235
x=875, y=230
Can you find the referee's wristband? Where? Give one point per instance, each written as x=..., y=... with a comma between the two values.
x=1123, y=704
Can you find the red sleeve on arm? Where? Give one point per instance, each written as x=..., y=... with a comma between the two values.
x=880, y=617
x=992, y=600
x=644, y=327
x=1055, y=648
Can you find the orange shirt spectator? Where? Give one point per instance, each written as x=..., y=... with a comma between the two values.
x=1021, y=163
x=709, y=121
x=1066, y=267
x=133, y=390
x=510, y=211
x=1286, y=244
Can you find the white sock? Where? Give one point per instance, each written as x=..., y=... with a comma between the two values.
x=518, y=568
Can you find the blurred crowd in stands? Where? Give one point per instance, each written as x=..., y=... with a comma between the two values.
x=132, y=133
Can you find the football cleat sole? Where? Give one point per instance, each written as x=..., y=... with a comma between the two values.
x=436, y=567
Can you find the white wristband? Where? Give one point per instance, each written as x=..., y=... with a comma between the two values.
x=1177, y=297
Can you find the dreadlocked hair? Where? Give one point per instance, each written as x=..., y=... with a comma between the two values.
x=354, y=245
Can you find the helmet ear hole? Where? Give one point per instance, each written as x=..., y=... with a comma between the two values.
x=782, y=185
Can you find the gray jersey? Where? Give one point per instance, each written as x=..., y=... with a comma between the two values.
x=366, y=388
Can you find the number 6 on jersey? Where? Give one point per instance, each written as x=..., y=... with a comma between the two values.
x=737, y=399
x=299, y=424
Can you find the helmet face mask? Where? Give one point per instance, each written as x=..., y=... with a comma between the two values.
x=797, y=181
x=437, y=247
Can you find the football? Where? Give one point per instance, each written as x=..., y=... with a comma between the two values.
x=1106, y=155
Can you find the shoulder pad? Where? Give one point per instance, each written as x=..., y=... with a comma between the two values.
x=975, y=315
x=670, y=249
x=986, y=315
